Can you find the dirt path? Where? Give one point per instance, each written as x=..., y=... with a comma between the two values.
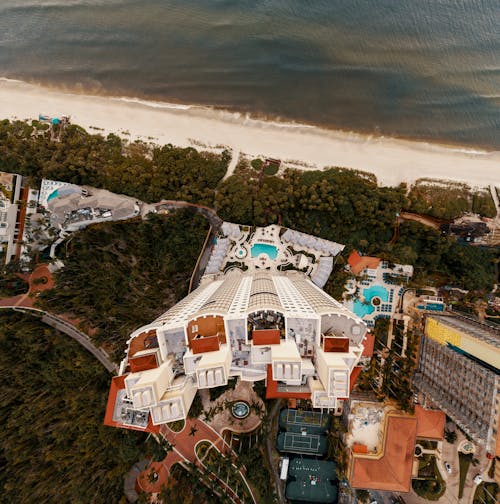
x=423, y=219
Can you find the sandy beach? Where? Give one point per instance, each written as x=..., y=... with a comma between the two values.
x=392, y=161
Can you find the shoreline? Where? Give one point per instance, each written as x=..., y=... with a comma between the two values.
x=307, y=147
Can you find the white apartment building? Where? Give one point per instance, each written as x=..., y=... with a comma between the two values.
x=254, y=325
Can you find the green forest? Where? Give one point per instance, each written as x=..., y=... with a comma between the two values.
x=53, y=444
x=337, y=204
x=117, y=277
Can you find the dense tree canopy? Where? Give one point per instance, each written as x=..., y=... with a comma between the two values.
x=337, y=204
x=53, y=444
x=449, y=200
x=119, y=276
x=138, y=169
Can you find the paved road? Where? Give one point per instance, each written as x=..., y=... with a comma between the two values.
x=207, y=212
x=70, y=330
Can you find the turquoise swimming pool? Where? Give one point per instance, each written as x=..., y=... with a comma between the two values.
x=264, y=248
x=52, y=195
x=361, y=309
x=376, y=291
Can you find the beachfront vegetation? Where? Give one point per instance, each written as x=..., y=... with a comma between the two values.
x=119, y=276
x=136, y=169
x=449, y=200
x=53, y=444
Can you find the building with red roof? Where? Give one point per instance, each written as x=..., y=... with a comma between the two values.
x=359, y=263
x=390, y=470
x=389, y=465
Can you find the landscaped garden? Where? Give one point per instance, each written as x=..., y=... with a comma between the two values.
x=176, y=426
x=486, y=493
x=224, y=469
x=429, y=485
x=464, y=462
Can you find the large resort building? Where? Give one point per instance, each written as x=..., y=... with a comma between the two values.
x=259, y=322
x=459, y=372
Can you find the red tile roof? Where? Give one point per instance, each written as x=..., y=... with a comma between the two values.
x=142, y=362
x=369, y=344
x=336, y=344
x=359, y=448
x=391, y=472
x=266, y=337
x=358, y=263
x=272, y=389
x=205, y=344
x=430, y=423
x=118, y=383
x=354, y=377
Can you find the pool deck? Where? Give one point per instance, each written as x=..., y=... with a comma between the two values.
x=374, y=292
x=291, y=250
x=224, y=420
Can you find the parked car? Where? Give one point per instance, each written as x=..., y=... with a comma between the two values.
x=477, y=479
x=447, y=467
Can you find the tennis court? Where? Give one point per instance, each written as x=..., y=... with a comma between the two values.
x=292, y=442
x=309, y=422
x=311, y=480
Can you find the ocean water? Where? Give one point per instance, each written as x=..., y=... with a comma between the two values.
x=424, y=69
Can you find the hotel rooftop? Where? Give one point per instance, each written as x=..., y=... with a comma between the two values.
x=260, y=323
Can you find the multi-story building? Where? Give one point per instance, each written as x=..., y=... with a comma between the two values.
x=11, y=220
x=255, y=325
x=459, y=372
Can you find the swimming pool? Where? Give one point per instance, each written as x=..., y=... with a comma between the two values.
x=376, y=291
x=362, y=309
x=264, y=248
x=52, y=195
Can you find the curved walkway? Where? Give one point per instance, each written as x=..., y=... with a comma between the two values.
x=185, y=441
x=39, y=280
x=207, y=212
x=68, y=329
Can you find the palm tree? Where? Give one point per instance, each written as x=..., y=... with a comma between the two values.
x=193, y=430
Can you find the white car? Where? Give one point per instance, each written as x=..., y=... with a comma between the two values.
x=447, y=467
x=477, y=479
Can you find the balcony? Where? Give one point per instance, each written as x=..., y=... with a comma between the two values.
x=175, y=402
x=211, y=368
x=145, y=388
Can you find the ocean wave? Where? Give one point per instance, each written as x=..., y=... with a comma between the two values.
x=258, y=120
x=49, y=4
x=152, y=104
x=223, y=114
x=13, y=81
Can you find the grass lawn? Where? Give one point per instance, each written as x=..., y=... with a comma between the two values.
x=464, y=463
x=271, y=169
x=256, y=164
